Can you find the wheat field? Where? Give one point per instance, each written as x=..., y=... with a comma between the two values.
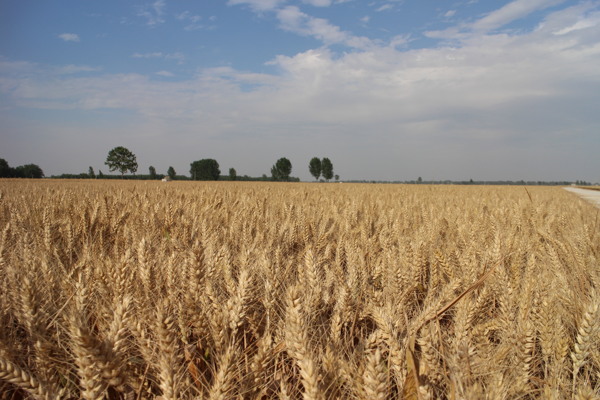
x=223, y=290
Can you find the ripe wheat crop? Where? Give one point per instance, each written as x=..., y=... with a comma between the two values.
x=140, y=290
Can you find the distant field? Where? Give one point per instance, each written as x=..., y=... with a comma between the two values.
x=223, y=290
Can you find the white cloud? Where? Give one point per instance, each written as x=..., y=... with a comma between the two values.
x=186, y=15
x=259, y=5
x=166, y=74
x=194, y=22
x=293, y=20
x=74, y=69
x=179, y=57
x=450, y=13
x=154, y=13
x=400, y=41
x=148, y=55
x=69, y=37
x=318, y=3
x=584, y=22
x=384, y=7
x=512, y=11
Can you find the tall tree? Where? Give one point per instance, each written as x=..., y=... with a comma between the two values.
x=314, y=167
x=232, y=174
x=5, y=170
x=327, y=168
x=152, y=171
x=91, y=173
x=171, y=172
x=281, y=170
x=121, y=159
x=205, y=170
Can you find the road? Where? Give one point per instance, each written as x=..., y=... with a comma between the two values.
x=593, y=196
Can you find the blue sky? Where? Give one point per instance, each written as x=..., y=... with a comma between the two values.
x=387, y=90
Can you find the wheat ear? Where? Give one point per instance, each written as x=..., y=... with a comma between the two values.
x=587, y=328
x=11, y=373
x=375, y=378
x=296, y=340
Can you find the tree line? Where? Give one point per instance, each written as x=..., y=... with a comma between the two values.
x=22, y=171
x=123, y=160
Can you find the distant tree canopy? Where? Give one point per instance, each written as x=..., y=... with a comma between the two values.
x=232, y=174
x=281, y=170
x=22, y=171
x=29, y=171
x=314, y=167
x=5, y=169
x=327, y=168
x=152, y=172
x=91, y=173
x=205, y=170
x=121, y=159
x=171, y=172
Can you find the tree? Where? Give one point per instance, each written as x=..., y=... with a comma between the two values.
x=327, y=169
x=91, y=173
x=281, y=170
x=121, y=159
x=232, y=174
x=100, y=174
x=337, y=177
x=171, y=172
x=205, y=170
x=420, y=180
x=314, y=167
x=29, y=171
x=152, y=171
x=5, y=170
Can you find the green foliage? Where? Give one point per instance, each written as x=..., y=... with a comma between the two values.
x=327, y=168
x=314, y=167
x=337, y=177
x=205, y=170
x=232, y=174
x=121, y=159
x=82, y=175
x=5, y=169
x=152, y=171
x=22, y=171
x=171, y=172
x=91, y=173
x=281, y=170
x=29, y=171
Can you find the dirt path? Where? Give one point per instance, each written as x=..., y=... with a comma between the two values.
x=593, y=196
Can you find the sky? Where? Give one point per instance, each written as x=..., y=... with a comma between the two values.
x=386, y=89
